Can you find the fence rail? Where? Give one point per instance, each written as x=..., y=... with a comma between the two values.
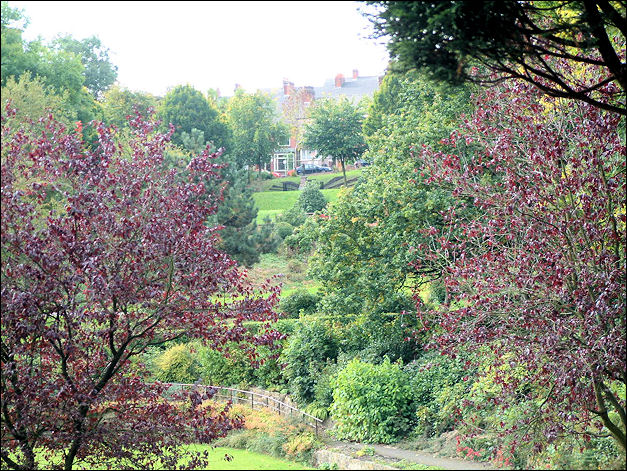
x=254, y=399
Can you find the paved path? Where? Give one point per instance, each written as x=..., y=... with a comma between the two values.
x=387, y=451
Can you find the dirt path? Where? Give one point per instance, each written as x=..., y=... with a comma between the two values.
x=393, y=454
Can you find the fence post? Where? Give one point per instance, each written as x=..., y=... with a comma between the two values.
x=252, y=400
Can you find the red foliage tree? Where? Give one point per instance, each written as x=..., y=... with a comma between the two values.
x=104, y=254
x=538, y=274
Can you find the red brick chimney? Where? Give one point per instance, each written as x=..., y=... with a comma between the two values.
x=339, y=80
x=355, y=73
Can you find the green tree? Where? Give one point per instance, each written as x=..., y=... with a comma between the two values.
x=335, y=130
x=364, y=247
x=186, y=108
x=237, y=214
x=257, y=133
x=470, y=41
x=118, y=103
x=32, y=99
x=98, y=71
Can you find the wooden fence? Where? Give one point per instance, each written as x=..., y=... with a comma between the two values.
x=253, y=399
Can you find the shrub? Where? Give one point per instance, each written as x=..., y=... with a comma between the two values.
x=372, y=403
x=177, y=365
x=299, y=301
x=438, y=388
x=283, y=229
x=311, y=198
x=295, y=216
x=219, y=370
x=305, y=355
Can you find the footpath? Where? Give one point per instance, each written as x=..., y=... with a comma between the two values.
x=348, y=455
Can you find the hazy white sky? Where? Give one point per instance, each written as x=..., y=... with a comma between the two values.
x=157, y=45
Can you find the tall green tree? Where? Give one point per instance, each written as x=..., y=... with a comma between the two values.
x=257, y=132
x=470, y=41
x=335, y=130
x=363, y=248
x=99, y=72
x=187, y=108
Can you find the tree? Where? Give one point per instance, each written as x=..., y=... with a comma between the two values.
x=364, y=247
x=538, y=277
x=238, y=215
x=31, y=100
x=335, y=130
x=295, y=112
x=98, y=71
x=463, y=41
x=257, y=133
x=186, y=108
x=105, y=254
x=118, y=104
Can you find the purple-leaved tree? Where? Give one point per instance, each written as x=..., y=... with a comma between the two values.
x=538, y=274
x=105, y=253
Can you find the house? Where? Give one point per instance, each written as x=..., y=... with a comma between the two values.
x=292, y=103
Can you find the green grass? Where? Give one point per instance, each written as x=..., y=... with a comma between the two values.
x=319, y=177
x=294, y=273
x=273, y=203
x=241, y=459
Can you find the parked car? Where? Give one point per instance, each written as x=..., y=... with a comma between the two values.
x=361, y=163
x=311, y=168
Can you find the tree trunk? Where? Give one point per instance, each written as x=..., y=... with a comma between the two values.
x=344, y=171
x=615, y=431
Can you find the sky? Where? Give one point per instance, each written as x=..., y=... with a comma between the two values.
x=158, y=45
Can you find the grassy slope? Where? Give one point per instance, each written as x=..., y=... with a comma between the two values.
x=293, y=271
x=273, y=203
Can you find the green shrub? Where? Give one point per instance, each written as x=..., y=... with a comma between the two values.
x=177, y=364
x=295, y=216
x=372, y=403
x=299, y=301
x=305, y=355
x=438, y=388
x=283, y=229
x=218, y=369
x=311, y=198
x=303, y=238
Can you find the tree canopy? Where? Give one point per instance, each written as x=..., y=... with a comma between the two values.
x=538, y=275
x=460, y=41
x=187, y=108
x=105, y=254
x=257, y=132
x=334, y=129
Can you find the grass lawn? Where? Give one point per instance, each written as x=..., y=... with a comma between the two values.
x=273, y=203
x=241, y=459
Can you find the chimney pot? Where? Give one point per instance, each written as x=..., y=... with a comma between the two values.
x=355, y=73
x=339, y=80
